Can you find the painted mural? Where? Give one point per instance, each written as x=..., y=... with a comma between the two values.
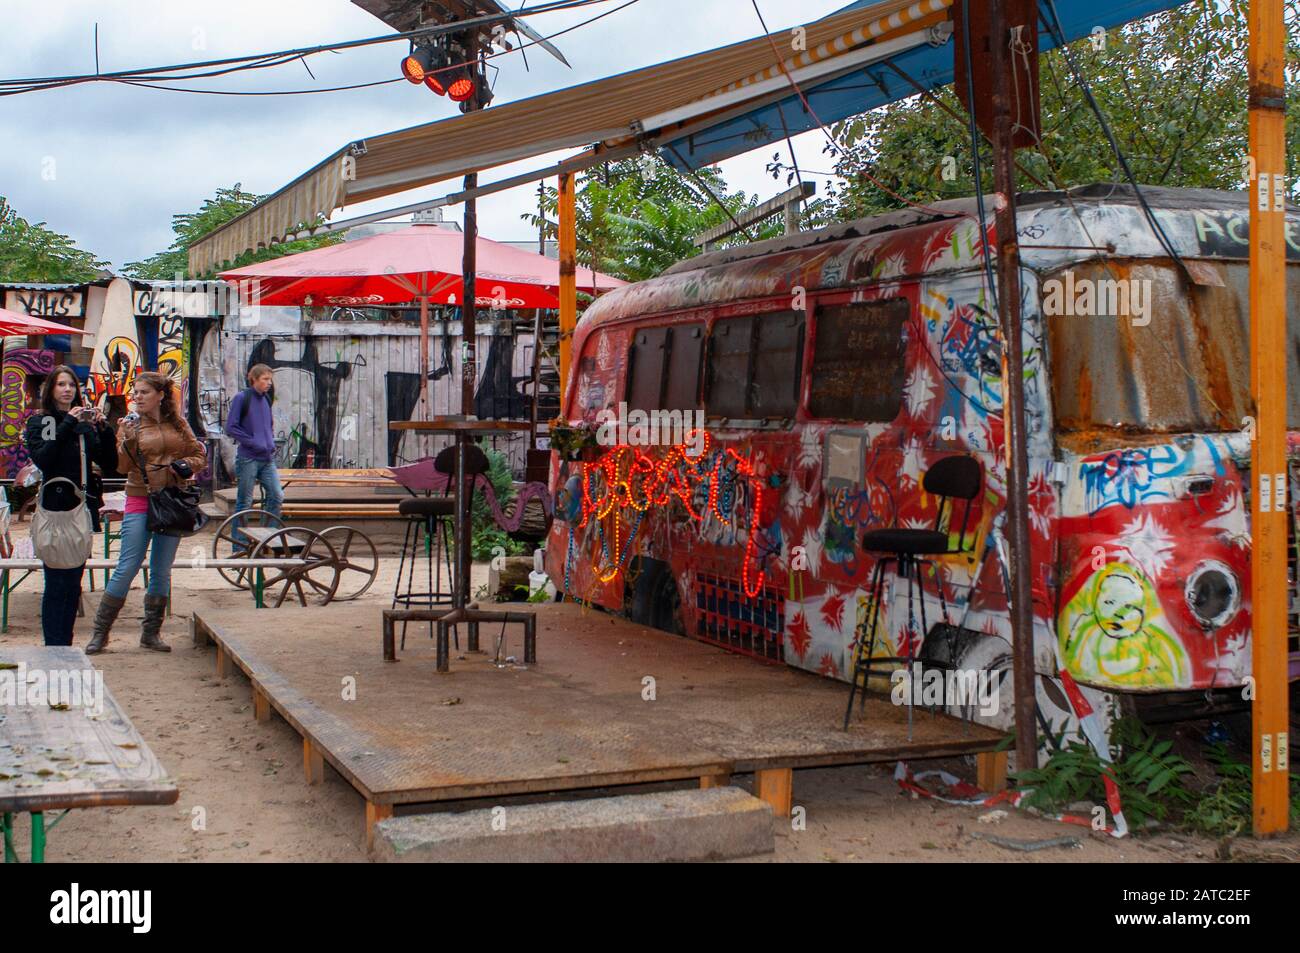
x=339, y=383
x=22, y=367
x=1139, y=552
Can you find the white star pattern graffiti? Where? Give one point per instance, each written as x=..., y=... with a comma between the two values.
x=1148, y=544
x=919, y=391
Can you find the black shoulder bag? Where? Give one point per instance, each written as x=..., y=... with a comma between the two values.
x=173, y=510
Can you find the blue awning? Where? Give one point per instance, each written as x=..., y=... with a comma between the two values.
x=877, y=84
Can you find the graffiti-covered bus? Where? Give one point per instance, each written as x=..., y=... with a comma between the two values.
x=827, y=371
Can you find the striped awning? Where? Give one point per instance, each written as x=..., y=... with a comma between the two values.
x=608, y=112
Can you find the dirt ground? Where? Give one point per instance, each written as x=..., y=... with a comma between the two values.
x=243, y=796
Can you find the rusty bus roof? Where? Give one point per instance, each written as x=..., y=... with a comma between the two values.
x=1056, y=229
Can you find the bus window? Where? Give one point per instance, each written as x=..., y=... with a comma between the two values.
x=664, y=368
x=685, y=351
x=858, y=365
x=754, y=363
x=645, y=368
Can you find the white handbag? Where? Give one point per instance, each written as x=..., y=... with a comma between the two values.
x=63, y=539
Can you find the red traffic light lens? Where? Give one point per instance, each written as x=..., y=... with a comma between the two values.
x=434, y=82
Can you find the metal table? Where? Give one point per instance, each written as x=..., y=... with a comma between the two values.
x=463, y=429
x=57, y=758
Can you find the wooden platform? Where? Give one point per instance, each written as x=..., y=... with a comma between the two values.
x=608, y=703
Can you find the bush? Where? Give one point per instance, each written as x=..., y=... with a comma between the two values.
x=1148, y=774
x=1225, y=808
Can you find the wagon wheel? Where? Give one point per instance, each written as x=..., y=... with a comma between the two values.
x=317, y=578
x=357, y=554
x=225, y=543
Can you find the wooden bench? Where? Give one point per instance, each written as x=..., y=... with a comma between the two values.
x=27, y=566
x=372, y=476
x=338, y=511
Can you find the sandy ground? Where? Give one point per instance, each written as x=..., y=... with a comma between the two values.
x=243, y=796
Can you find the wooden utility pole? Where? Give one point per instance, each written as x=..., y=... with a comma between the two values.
x=568, y=278
x=1269, y=508
x=1013, y=390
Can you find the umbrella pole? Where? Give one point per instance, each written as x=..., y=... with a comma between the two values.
x=469, y=334
x=424, y=353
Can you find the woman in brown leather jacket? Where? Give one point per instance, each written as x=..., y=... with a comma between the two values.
x=156, y=449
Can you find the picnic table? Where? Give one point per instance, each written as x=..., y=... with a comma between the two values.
x=56, y=758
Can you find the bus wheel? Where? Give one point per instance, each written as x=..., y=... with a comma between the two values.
x=654, y=600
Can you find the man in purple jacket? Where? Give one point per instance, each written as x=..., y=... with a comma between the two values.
x=249, y=423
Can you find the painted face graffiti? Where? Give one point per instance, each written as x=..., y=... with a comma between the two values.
x=1114, y=632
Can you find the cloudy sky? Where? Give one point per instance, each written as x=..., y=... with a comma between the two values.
x=109, y=164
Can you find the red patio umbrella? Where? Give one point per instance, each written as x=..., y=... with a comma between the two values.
x=420, y=263
x=15, y=322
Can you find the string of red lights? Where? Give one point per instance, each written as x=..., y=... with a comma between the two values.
x=627, y=478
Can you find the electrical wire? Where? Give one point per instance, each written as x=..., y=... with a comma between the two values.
x=794, y=161
x=1058, y=31
x=839, y=151
x=975, y=158
x=265, y=60
x=702, y=184
x=382, y=82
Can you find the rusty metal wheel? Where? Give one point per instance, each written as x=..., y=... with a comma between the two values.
x=317, y=579
x=357, y=555
x=235, y=548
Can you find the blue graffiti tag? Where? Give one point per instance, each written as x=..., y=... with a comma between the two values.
x=1130, y=477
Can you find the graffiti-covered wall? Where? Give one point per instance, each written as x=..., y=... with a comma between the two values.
x=126, y=327
x=338, y=384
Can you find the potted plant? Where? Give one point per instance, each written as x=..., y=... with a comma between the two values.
x=575, y=441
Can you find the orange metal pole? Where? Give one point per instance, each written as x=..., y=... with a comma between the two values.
x=568, y=278
x=1268, y=342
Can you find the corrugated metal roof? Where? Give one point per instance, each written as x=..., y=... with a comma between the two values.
x=605, y=111
x=50, y=285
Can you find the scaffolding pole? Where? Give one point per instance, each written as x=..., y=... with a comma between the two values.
x=1268, y=342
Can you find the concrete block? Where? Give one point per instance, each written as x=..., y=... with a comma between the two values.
x=708, y=824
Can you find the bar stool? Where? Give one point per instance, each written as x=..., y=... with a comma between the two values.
x=952, y=478
x=431, y=521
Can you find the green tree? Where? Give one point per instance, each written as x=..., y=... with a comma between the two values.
x=1173, y=88
x=215, y=212
x=31, y=252
x=636, y=217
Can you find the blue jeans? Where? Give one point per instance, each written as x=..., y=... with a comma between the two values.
x=248, y=472
x=136, y=538
x=59, y=604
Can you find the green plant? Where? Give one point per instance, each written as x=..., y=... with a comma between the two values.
x=486, y=535
x=1147, y=772
x=1225, y=807
x=569, y=441
x=538, y=596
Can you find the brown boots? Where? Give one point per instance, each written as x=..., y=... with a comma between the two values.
x=105, y=616
x=154, y=607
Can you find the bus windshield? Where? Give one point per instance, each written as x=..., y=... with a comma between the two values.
x=1134, y=350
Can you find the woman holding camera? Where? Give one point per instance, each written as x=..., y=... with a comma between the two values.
x=155, y=449
x=65, y=439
